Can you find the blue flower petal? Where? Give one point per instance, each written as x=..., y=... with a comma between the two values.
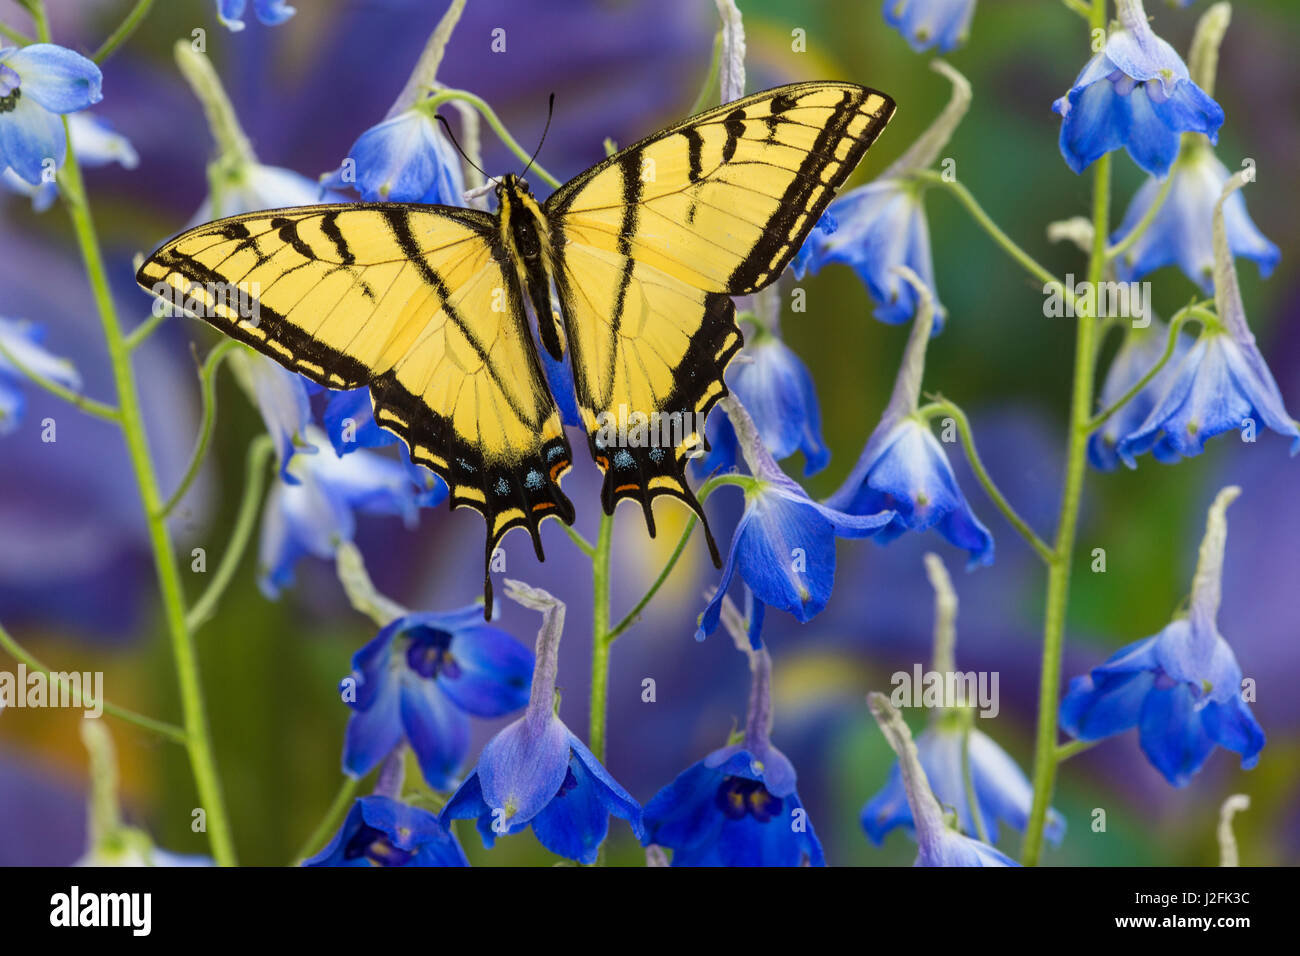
x=30, y=135
x=437, y=730
x=56, y=78
x=493, y=672
x=1172, y=735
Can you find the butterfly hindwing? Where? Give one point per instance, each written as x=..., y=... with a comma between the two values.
x=418, y=303
x=649, y=245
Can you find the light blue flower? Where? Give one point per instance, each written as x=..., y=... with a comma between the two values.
x=944, y=24
x=1136, y=93
x=903, y=469
x=879, y=227
x=784, y=544
x=22, y=340
x=255, y=186
x=536, y=773
x=1142, y=348
x=269, y=12
x=381, y=831
x=1222, y=383
x=315, y=514
x=95, y=143
x=282, y=398
x=937, y=843
x=777, y=390
x=1001, y=788
x=37, y=83
x=420, y=679
x=406, y=158
x=1181, y=688
x=1180, y=234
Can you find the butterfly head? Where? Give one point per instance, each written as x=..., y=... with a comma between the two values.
x=515, y=185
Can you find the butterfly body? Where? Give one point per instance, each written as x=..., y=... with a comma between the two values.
x=428, y=305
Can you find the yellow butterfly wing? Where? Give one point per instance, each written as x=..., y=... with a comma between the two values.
x=417, y=303
x=649, y=245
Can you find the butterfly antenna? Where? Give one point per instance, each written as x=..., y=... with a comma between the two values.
x=550, y=110
x=452, y=136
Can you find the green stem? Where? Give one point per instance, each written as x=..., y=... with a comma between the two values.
x=338, y=808
x=163, y=729
x=1125, y=244
x=259, y=453
x=600, y=637
x=208, y=388
x=146, y=329
x=585, y=546
x=198, y=739
x=708, y=90
x=446, y=96
x=88, y=405
x=634, y=615
x=986, y=481
x=20, y=39
x=1065, y=751
x=1175, y=325
x=1080, y=7
x=985, y=222
x=123, y=31
x=1058, y=575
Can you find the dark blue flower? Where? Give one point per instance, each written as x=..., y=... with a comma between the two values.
x=420, y=679
x=1181, y=688
x=1180, y=233
x=536, y=773
x=737, y=806
x=380, y=831
x=1136, y=93
x=22, y=340
x=1000, y=786
x=315, y=514
x=879, y=227
x=37, y=83
x=269, y=12
x=931, y=23
x=937, y=843
x=1142, y=348
x=777, y=390
x=405, y=158
x=784, y=545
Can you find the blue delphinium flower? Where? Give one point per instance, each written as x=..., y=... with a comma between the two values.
x=944, y=24
x=269, y=12
x=1142, y=349
x=1136, y=93
x=777, y=390
x=948, y=744
x=282, y=399
x=882, y=226
x=937, y=843
x=22, y=341
x=37, y=83
x=536, y=773
x=1180, y=233
x=1222, y=383
x=315, y=514
x=1180, y=688
x=349, y=420
x=420, y=679
x=380, y=831
x=784, y=545
x=405, y=158
x=95, y=143
x=903, y=468
x=737, y=806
